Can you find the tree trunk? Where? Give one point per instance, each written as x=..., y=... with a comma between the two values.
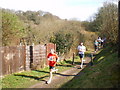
x=119, y=29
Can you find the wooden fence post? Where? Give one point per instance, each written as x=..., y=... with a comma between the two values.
x=73, y=58
x=24, y=57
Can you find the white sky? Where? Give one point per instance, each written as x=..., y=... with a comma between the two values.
x=65, y=9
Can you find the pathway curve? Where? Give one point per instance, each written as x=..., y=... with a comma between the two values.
x=62, y=77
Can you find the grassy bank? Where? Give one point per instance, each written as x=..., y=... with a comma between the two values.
x=103, y=74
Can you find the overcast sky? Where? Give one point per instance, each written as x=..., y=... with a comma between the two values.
x=65, y=9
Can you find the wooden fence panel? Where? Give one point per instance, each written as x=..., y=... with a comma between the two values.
x=13, y=59
x=43, y=56
x=39, y=56
x=22, y=58
x=19, y=58
x=6, y=61
x=50, y=46
x=27, y=65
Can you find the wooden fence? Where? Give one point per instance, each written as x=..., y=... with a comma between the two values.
x=19, y=58
x=12, y=59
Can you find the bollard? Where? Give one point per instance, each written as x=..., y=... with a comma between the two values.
x=91, y=59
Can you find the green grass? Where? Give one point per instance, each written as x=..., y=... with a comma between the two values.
x=103, y=74
x=27, y=78
x=23, y=79
x=0, y=83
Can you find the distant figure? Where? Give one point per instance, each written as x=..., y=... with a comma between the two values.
x=96, y=45
x=53, y=58
x=81, y=49
x=99, y=42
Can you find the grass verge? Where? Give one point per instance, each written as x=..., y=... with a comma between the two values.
x=27, y=78
x=103, y=74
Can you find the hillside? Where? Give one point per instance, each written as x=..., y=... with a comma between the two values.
x=103, y=74
x=41, y=27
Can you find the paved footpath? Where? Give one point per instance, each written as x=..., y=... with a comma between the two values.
x=62, y=77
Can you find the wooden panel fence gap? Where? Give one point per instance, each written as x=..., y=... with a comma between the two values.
x=31, y=56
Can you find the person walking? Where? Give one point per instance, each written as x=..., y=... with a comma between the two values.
x=99, y=42
x=53, y=58
x=81, y=50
